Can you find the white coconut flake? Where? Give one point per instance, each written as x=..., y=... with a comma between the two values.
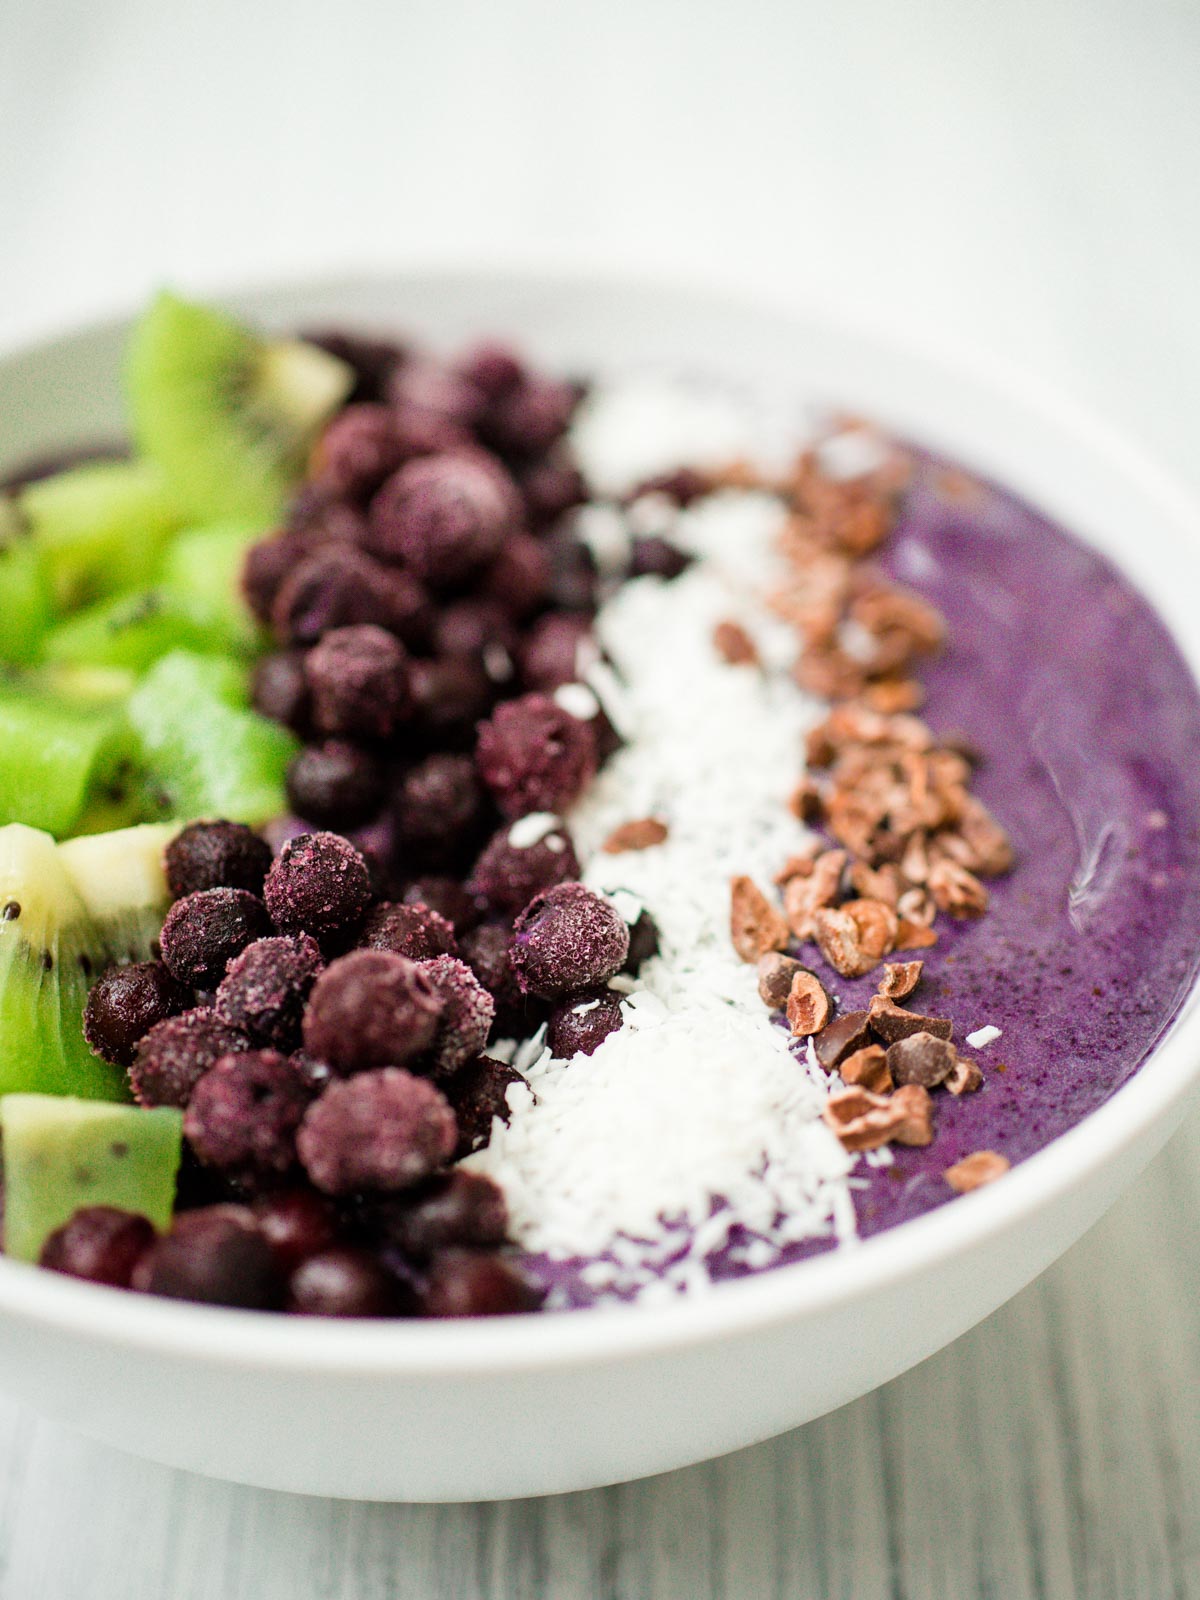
x=532, y=829
x=577, y=700
x=983, y=1036
x=695, y=1118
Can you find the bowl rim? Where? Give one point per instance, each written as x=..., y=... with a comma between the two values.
x=598, y=1335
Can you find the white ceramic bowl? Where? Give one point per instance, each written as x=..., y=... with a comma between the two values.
x=520, y=1406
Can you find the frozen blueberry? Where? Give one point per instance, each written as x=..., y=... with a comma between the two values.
x=434, y=389
x=268, y=565
x=438, y=801
x=554, y=649
x=175, y=1055
x=451, y=692
x=534, y=756
x=99, y=1243
x=125, y=1003
x=296, y=1223
x=659, y=558
x=279, y=689
x=551, y=487
x=335, y=783
x=216, y=855
x=529, y=418
x=467, y=1013
x=244, y=1113
x=343, y=1281
x=458, y=1208
x=357, y=451
x=317, y=884
x=340, y=587
x=476, y=626
x=371, y=1009
x=476, y=1283
x=444, y=517
x=380, y=1130
x=215, y=1255
x=520, y=577
x=358, y=678
x=508, y=875
x=581, y=1023
x=491, y=368
x=567, y=938
x=317, y=510
x=446, y=896
x=205, y=930
x=478, y=1094
x=265, y=989
x=415, y=931
x=576, y=581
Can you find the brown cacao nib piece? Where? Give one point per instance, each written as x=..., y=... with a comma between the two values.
x=864, y=1121
x=980, y=1167
x=639, y=834
x=921, y=1058
x=900, y=978
x=868, y=1069
x=965, y=1078
x=775, y=974
x=891, y=1022
x=956, y=890
x=808, y=1005
x=755, y=926
x=841, y=1038
x=734, y=645
x=840, y=942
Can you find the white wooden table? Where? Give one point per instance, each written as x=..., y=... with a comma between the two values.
x=1019, y=177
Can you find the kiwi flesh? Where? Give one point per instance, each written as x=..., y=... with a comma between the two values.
x=52, y=753
x=98, y=528
x=130, y=630
x=201, y=750
x=203, y=570
x=24, y=587
x=119, y=877
x=228, y=416
x=61, y=1153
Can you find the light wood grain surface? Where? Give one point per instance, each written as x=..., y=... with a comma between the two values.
x=1021, y=177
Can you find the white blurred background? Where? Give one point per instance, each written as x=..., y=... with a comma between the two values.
x=1020, y=177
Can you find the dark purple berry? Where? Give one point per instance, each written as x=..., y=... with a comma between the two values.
x=476, y=1283
x=659, y=558
x=643, y=942
x=520, y=578
x=447, y=897
x=244, y=1113
x=380, y=1130
x=492, y=369
x=215, y=1255
x=317, y=884
x=335, y=784
x=530, y=418
x=508, y=875
x=371, y=1009
x=479, y=1094
x=175, y=1055
x=316, y=510
x=343, y=1282
x=205, y=930
x=432, y=390
x=444, y=517
x=467, y=1013
x=550, y=488
x=216, y=855
x=459, y=1208
x=475, y=626
x=567, y=938
x=358, y=678
x=279, y=689
x=534, y=756
x=296, y=1223
x=357, y=451
x=438, y=801
x=265, y=989
x=581, y=1023
x=451, y=692
x=340, y=587
x=576, y=581
x=555, y=651
x=415, y=931
x=125, y=1003
x=270, y=563
x=99, y=1243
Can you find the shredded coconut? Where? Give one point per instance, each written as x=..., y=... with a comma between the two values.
x=532, y=829
x=693, y=1131
x=577, y=700
x=983, y=1036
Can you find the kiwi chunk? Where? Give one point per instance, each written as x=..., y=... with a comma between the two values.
x=203, y=569
x=202, y=751
x=23, y=585
x=61, y=1153
x=51, y=754
x=121, y=880
x=98, y=528
x=227, y=415
x=50, y=952
x=131, y=630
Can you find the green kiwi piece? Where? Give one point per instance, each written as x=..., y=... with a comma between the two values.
x=201, y=751
x=99, y=528
x=203, y=568
x=24, y=588
x=61, y=1153
x=51, y=753
x=121, y=880
x=50, y=952
x=227, y=415
x=130, y=630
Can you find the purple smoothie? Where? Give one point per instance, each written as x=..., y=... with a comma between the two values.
x=1088, y=720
